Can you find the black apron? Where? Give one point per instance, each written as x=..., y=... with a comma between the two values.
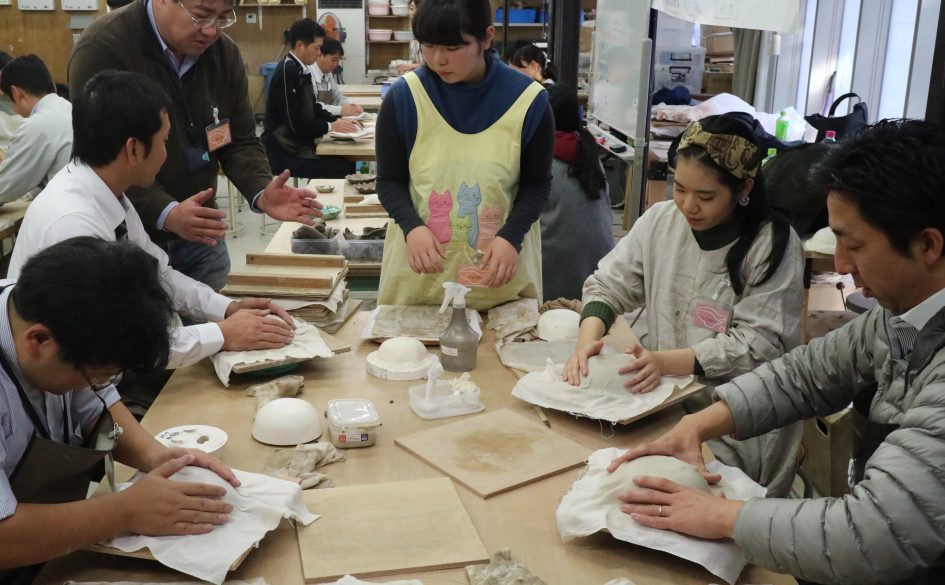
x=869, y=435
x=50, y=472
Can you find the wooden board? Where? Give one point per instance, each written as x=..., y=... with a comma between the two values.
x=495, y=452
x=387, y=528
x=333, y=343
x=305, y=260
x=372, y=210
x=145, y=554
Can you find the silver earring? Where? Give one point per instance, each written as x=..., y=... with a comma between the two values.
x=743, y=201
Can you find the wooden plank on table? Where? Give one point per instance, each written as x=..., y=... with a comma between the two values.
x=145, y=554
x=372, y=210
x=281, y=280
x=296, y=281
x=387, y=528
x=495, y=452
x=305, y=260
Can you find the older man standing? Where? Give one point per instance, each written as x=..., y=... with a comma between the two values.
x=179, y=45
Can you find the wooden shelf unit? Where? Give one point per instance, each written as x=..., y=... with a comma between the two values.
x=379, y=54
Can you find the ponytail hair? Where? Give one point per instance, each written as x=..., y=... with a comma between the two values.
x=529, y=53
x=587, y=168
x=751, y=217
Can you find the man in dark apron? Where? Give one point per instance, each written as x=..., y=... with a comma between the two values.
x=886, y=200
x=81, y=313
x=327, y=92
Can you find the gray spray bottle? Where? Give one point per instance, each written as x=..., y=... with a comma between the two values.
x=458, y=342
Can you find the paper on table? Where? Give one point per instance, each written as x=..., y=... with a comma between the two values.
x=259, y=505
x=306, y=344
x=613, y=404
x=580, y=514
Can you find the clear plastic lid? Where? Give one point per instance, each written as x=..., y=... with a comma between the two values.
x=353, y=412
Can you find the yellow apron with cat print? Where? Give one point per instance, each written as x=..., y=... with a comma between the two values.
x=463, y=186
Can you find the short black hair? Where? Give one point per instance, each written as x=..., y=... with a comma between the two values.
x=332, y=47
x=4, y=59
x=102, y=301
x=529, y=53
x=28, y=73
x=444, y=22
x=894, y=172
x=112, y=107
x=305, y=30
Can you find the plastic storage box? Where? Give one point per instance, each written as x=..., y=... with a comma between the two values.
x=363, y=250
x=519, y=15
x=352, y=423
x=267, y=70
x=331, y=246
x=680, y=67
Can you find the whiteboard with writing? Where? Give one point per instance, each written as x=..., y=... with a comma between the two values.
x=781, y=15
x=622, y=26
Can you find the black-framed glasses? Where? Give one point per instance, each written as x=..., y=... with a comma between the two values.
x=217, y=23
x=102, y=383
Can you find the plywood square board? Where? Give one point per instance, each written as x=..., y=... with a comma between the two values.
x=495, y=452
x=387, y=528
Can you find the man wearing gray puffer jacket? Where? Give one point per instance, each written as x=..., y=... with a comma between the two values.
x=886, y=199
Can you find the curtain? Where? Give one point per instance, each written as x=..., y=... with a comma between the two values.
x=747, y=53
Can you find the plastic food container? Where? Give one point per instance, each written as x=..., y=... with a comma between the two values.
x=352, y=423
x=331, y=247
x=379, y=34
x=363, y=250
x=400, y=10
x=403, y=35
x=378, y=9
x=206, y=438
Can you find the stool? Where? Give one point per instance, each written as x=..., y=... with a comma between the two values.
x=234, y=205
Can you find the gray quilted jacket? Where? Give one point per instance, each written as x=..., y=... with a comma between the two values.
x=894, y=520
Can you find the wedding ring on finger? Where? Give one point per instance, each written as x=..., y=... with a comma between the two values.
x=659, y=510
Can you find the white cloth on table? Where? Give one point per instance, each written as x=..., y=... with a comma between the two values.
x=259, y=505
x=580, y=513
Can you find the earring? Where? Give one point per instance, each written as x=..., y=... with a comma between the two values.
x=743, y=201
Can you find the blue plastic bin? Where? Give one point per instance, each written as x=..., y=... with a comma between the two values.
x=267, y=70
x=516, y=15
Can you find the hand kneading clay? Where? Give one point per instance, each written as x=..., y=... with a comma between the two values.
x=670, y=468
x=603, y=371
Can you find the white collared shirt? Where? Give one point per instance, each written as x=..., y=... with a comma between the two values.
x=78, y=203
x=41, y=145
x=919, y=315
x=326, y=82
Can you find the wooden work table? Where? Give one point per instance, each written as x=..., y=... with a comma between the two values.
x=353, y=89
x=351, y=150
x=522, y=519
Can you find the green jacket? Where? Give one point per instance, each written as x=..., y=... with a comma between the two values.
x=124, y=39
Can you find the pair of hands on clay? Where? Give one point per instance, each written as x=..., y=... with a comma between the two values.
x=247, y=325
x=159, y=506
x=342, y=125
x=193, y=221
x=426, y=255
x=351, y=109
x=664, y=504
x=646, y=367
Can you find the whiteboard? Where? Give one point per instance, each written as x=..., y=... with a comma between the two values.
x=781, y=16
x=622, y=26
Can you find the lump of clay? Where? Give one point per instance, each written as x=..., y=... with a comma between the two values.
x=603, y=372
x=670, y=468
x=284, y=387
x=558, y=324
x=319, y=231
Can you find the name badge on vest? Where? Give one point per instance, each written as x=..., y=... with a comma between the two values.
x=218, y=133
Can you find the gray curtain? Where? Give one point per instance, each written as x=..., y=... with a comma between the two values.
x=747, y=53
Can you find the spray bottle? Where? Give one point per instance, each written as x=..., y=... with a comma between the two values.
x=458, y=342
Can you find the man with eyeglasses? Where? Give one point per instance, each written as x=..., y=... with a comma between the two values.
x=81, y=312
x=180, y=46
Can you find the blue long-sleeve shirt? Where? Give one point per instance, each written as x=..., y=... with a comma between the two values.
x=469, y=108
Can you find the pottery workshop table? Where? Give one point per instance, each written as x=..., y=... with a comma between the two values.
x=370, y=103
x=11, y=216
x=351, y=150
x=354, y=89
x=522, y=519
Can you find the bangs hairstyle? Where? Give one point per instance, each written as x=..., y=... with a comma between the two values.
x=444, y=22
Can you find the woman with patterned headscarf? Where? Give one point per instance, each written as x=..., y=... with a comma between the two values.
x=720, y=277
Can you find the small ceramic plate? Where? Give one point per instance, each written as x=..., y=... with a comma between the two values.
x=330, y=212
x=324, y=188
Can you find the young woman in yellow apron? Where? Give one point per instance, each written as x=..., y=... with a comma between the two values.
x=464, y=150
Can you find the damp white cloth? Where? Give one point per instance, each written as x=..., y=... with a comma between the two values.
x=306, y=344
x=823, y=241
x=349, y=580
x=514, y=318
x=259, y=505
x=581, y=513
x=501, y=570
x=609, y=401
x=533, y=356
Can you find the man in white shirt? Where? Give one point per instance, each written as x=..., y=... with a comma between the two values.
x=323, y=77
x=41, y=144
x=121, y=126
x=9, y=119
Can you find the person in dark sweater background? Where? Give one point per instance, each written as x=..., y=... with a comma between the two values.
x=464, y=150
x=295, y=121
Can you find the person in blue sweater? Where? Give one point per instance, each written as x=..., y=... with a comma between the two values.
x=464, y=150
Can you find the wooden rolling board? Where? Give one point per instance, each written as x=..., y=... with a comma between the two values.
x=387, y=528
x=301, y=260
x=495, y=452
x=372, y=210
x=145, y=554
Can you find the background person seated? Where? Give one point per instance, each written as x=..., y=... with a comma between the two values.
x=326, y=90
x=43, y=142
x=9, y=119
x=295, y=122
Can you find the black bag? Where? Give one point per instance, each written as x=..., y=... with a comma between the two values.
x=845, y=126
x=790, y=191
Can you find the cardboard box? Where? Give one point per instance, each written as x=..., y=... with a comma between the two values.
x=828, y=443
x=718, y=40
x=586, y=39
x=717, y=82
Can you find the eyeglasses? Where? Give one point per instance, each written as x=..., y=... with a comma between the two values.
x=217, y=23
x=101, y=383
